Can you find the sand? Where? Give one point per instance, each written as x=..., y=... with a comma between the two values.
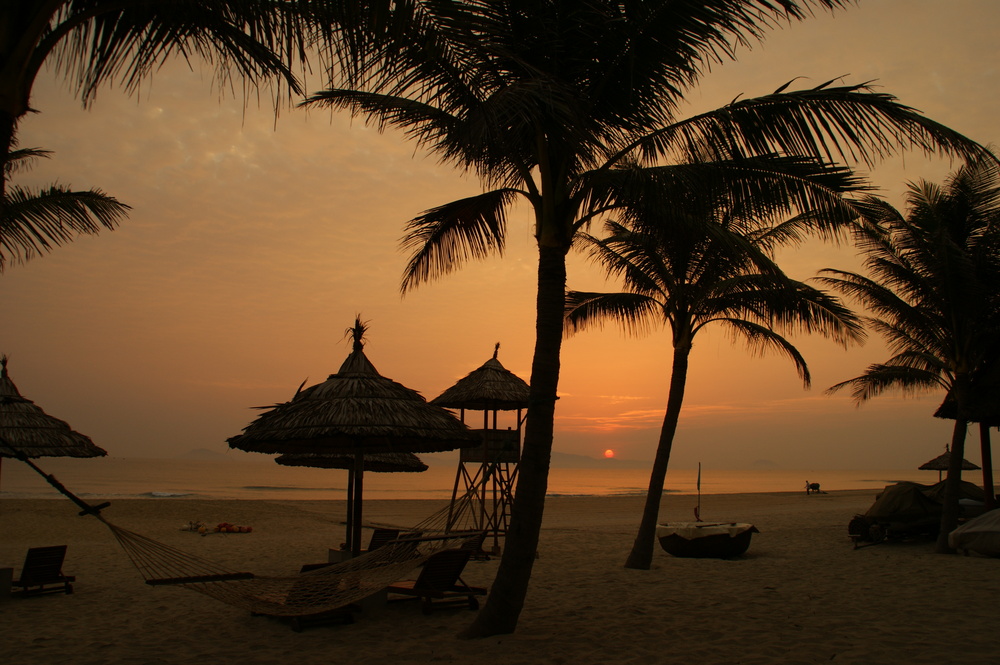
x=801, y=595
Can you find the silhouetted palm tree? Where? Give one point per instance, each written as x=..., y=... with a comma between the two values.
x=33, y=221
x=544, y=100
x=933, y=290
x=691, y=259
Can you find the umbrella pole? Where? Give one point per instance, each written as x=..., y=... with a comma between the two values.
x=984, y=442
x=349, y=537
x=359, y=472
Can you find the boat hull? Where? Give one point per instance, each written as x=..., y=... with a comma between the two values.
x=705, y=540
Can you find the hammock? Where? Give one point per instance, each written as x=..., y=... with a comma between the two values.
x=313, y=592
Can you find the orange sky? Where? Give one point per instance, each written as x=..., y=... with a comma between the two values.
x=252, y=245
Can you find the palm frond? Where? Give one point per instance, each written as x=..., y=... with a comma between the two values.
x=443, y=238
x=761, y=339
x=102, y=41
x=850, y=123
x=22, y=159
x=635, y=313
x=879, y=378
x=34, y=222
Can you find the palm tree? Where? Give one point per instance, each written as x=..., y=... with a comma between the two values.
x=34, y=221
x=543, y=100
x=691, y=259
x=94, y=42
x=934, y=293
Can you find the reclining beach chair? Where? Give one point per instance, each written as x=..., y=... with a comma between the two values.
x=440, y=583
x=380, y=537
x=42, y=572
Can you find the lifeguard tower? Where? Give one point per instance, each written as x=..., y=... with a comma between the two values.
x=488, y=472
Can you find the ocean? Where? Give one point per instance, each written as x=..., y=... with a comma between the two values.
x=257, y=477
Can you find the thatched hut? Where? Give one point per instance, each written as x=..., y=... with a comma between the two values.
x=355, y=412
x=489, y=471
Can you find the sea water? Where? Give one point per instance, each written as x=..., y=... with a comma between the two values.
x=258, y=477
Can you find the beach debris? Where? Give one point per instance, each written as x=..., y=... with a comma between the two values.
x=226, y=527
x=221, y=527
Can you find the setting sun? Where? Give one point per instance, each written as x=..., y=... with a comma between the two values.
x=609, y=453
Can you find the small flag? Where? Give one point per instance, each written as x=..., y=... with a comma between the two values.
x=697, y=510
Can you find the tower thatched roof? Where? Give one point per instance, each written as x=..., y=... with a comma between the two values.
x=377, y=462
x=490, y=388
x=25, y=428
x=354, y=410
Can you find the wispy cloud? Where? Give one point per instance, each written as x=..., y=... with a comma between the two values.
x=638, y=419
x=627, y=420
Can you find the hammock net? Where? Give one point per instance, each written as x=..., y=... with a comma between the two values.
x=311, y=592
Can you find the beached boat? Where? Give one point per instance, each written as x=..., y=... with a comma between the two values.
x=717, y=540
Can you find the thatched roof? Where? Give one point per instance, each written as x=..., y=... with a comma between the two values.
x=378, y=462
x=25, y=428
x=940, y=463
x=355, y=410
x=490, y=388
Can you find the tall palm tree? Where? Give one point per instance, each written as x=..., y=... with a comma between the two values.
x=33, y=221
x=543, y=99
x=933, y=290
x=693, y=259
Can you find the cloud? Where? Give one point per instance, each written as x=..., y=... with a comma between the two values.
x=628, y=420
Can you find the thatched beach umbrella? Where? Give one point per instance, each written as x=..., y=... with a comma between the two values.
x=377, y=462
x=941, y=462
x=355, y=412
x=26, y=431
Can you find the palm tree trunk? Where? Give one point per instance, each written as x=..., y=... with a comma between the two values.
x=987, y=459
x=952, y=483
x=641, y=556
x=8, y=124
x=500, y=613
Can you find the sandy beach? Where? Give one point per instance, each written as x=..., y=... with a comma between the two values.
x=801, y=595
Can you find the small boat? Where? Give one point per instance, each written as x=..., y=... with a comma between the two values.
x=715, y=540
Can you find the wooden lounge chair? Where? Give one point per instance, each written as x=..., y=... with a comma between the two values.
x=42, y=572
x=379, y=538
x=440, y=583
x=475, y=546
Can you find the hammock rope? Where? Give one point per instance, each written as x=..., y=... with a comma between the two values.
x=317, y=591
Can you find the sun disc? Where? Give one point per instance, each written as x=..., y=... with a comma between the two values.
x=609, y=453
